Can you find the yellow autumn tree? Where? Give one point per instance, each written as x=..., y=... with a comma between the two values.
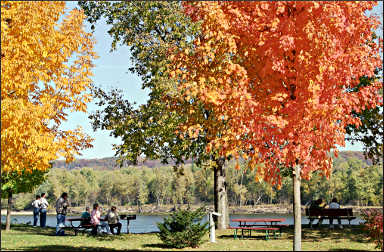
x=45, y=73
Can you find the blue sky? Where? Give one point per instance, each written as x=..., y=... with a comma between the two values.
x=111, y=70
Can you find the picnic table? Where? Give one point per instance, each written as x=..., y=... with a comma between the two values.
x=81, y=226
x=267, y=224
x=84, y=227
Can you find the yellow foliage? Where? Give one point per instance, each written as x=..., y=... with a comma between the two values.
x=45, y=70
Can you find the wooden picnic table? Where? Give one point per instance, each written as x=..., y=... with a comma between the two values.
x=267, y=224
x=80, y=226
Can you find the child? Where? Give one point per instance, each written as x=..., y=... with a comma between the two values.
x=36, y=209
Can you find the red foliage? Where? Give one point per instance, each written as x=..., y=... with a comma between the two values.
x=276, y=76
x=374, y=225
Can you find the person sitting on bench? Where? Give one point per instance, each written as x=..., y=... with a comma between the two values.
x=335, y=205
x=86, y=216
x=318, y=204
x=95, y=220
x=113, y=220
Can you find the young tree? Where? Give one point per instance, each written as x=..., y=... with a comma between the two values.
x=278, y=73
x=18, y=182
x=39, y=84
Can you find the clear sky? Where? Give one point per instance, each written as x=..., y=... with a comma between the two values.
x=111, y=70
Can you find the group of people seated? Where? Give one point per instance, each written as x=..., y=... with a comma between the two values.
x=318, y=204
x=94, y=218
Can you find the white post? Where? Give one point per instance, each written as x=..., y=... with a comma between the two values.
x=212, y=226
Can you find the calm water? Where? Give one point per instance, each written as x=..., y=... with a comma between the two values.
x=147, y=223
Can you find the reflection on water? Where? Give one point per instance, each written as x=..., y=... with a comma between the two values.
x=147, y=223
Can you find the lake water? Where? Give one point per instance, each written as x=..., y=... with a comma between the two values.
x=147, y=223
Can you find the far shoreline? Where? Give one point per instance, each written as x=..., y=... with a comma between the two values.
x=166, y=210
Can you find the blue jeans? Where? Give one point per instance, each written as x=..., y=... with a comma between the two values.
x=36, y=212
x=43, y=217
x=60, y=223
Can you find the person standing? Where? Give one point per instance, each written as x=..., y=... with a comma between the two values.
x=61, y=211
x=113, y=220
x=43, y=210
x=36, y=209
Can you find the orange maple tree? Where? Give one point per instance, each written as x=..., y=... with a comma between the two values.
x=45, y=71
x=277, y=74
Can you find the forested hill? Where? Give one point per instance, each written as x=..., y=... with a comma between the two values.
x=107, y=163
x=110, y=163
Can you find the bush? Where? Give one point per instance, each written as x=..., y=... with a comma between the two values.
x=374, y=225
x=183, y=229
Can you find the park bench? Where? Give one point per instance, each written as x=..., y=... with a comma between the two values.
x=267, y=229
x=330, y=213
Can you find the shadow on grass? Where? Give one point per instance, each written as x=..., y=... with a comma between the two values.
x=345, y=249
x=70, y=248
x=325, y=233
x=246, y=237
x=157, y=245
x=31, y=230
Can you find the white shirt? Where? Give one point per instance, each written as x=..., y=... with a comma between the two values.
x=334, y=205
x=36, y=203
x=44, y=203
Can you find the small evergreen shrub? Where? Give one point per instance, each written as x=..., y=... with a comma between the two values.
x=183, y=229
x=374, y=225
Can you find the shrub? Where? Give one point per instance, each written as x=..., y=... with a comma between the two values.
x=374, y=225
x=183, y=229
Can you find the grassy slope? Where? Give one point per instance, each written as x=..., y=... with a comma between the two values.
x=23, y=237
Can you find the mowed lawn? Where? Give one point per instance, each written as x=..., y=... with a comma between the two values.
x=23, y=237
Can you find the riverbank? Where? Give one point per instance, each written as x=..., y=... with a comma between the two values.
x=23, y=237
x=167, y=209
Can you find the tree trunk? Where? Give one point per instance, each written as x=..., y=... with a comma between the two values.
x=9, y=209
x=220, y=195
x=297, y=209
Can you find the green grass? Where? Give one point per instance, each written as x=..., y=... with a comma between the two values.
x=23, y=237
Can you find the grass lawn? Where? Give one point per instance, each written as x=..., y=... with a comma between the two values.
x=23, y=237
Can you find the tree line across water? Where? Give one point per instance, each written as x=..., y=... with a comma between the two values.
x=353, y=181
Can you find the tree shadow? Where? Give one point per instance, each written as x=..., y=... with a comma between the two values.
x=157, y=245
x=245, y=237
x=31, y=230
x=345, y=249
x=71, y=248
x=325, y=233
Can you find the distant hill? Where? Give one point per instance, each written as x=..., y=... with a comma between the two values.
x=354, y=154
x=110, y=163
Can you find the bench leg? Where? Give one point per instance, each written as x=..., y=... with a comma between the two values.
x=235, y=234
